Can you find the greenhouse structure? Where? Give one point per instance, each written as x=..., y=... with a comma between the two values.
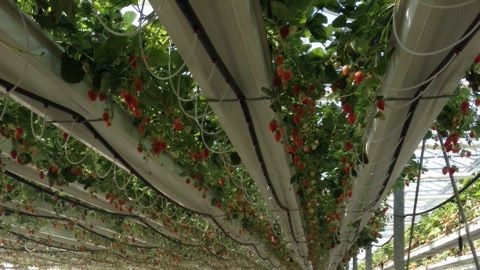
x=240, y=134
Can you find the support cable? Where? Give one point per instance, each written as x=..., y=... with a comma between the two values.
x=460, y=206
x=417, y=190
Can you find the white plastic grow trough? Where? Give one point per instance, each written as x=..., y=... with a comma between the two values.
x=422, y=29
x=236, y=31
x=76, y=191
x=40, y=76
x=440, y=244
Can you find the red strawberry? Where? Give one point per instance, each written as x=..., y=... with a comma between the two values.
x=9, y=187
x=468, y=154
x=284, y=31
x=345, y=71
x=53, y=169
x=347, y=108
x=138, y=84
x=273, y=125
x=278, y=135
x=221, y=182
x=102, y=96
x=177, y=124
x=92, y=95
x=348, y=145
x=296, y=90
x=137, y=113
x=452, y=170
x=286, y=75
x=132, y=61
x=444, y=170
x=297, y=118
x=105, y=116
x=13, y=154
x=158, y=146
x=18, y=133
x=187, y=181
x=358, y=77
x=465, y=107
x=279, y=59
x=380, y=104
x=41, y=174
x=477, y=59
x=205, y=154
x=351, y=118
x=65, y=135
x=477, y=101
x=276, y=81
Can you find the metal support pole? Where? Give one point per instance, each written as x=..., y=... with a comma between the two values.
x=417, y=191
x=368, y=257
x=354, y=263
x=459, y=205
x=399, y=227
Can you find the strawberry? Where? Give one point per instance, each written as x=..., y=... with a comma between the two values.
x=65, y=135
x=273, y=125
x=53, y=169
x=106, y=116
x=297, y=118
x=102, y=96
x=452, y=170
x=345, y=71
x=221, y=182
x=477, y=59
x=9, y=187
x=347, y=108
x=444, y=170
x=380, y=103
x=158, y=146
x=472, y=134
x=351, y=118
x=137, y=113
x=276, y=82
x=464, y=107
x=278, y=135
x=132, y=61
x=187, y=181
x=177, y=124
x=138, y=84
x=477, y=101
x=279, y=59
x=284, y=31
x=280, y=71
x=92, y=95
x=348, y=145
x=296, y=90
x=358, y=77
x=468, y=154
x=18, y=133
x=286, y=75
x=13, y=154
x=41, y=174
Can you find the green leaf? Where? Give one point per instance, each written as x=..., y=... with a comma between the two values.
x=71, y=70
x=282, y=12
x=128, y=19
x=316, y=27
x=340, y=21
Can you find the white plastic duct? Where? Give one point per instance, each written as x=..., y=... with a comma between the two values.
x=440, y=244
x=391, y=142
x=236, y=31
x=38, y=72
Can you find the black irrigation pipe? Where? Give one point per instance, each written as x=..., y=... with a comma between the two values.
x=199, y=30
x=77, y=202
x=379, y=246
x=79, y=118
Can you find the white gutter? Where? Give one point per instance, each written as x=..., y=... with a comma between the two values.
x=422, y=29
x=40, y=75
x=236, y=30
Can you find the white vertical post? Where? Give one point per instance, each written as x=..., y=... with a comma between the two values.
x=368, y=257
